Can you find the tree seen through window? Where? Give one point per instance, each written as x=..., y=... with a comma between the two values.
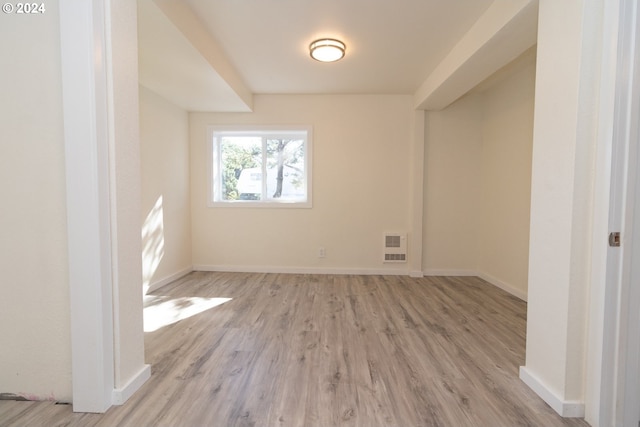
x=261, y=168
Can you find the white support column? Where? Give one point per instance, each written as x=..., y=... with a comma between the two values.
x=85, y=109
x=126, y=199
x=567, y=104
x=101, y=118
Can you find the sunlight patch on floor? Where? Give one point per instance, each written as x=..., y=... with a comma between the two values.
x=160, y=311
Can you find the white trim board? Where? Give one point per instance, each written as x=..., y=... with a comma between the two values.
x=364, y=271
x=504, y=286
x=451, y=272
x=567, y=409
x=300, y=270
x=166, y=280
x=120, y=395
x=486, y=277
x=85, y=103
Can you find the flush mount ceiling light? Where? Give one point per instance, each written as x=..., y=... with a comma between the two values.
x=327, y=50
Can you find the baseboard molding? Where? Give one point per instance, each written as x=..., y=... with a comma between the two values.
x=301, y=270
x=567, y=409
x=486, y=277
x=120, y=395
x=436, y=272
x=165, y=281
x=504, y=286
x=341, y=271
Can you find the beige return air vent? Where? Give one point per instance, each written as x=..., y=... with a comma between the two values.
x=395, y=247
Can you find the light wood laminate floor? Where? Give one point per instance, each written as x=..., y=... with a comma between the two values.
x=327, y=350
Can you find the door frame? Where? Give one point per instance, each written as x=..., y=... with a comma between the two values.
x=627, y=409
x=613, y=377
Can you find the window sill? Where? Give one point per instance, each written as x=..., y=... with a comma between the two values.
x=261, y=205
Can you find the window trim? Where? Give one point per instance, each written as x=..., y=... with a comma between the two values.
x=258, y=130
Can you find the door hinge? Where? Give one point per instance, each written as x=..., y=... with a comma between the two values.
x=614, y=241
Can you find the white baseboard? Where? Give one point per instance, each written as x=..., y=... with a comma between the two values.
x=504, y=286
x=436, y=272
x=339, y=271
x=165, y=281
x=486, y=277
x=567, y=409
x=120, y=395
x=300, y=270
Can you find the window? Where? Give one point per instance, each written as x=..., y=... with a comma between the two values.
x=260, y=167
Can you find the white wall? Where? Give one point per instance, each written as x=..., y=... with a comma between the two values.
x=361, y=188
x=507, y=139
x=562, y=201
x=453, y=149
x=166, y=210
x=35, y=320
x=126, y=197
x=35, y=359
x=477, y=180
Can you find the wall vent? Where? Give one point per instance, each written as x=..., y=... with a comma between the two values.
x=395, y=247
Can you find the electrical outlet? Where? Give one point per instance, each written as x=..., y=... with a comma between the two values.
x=322, y=252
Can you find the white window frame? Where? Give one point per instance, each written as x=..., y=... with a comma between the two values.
x=213, y=173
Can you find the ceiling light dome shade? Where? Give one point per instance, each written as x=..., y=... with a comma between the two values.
x=327, y=50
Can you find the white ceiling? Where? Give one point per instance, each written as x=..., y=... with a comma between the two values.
x=172, y=67
x=392, y=45
x=212, y=55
